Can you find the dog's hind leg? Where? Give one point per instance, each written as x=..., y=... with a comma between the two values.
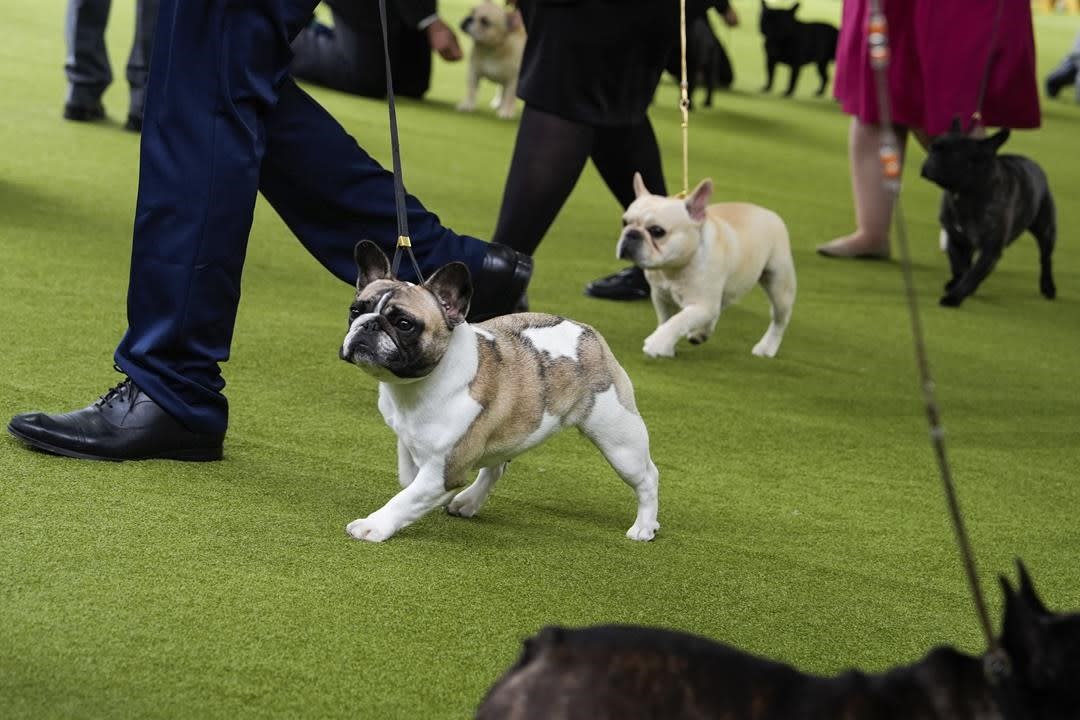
x=620, y=434
x=1044, y=228
x=823, y=71
x=467, y=502
x=778, y=281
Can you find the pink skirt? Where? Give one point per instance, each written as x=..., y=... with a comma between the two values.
x=940, y=52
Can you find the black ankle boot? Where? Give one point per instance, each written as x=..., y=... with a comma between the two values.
x=628, y=284
x=499, y=287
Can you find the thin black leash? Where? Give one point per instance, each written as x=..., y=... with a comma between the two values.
x=976, y=117
x=403, y=241
x=997, y=666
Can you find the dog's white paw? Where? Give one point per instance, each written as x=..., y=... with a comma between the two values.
x=464, y=505
x=368, y=530
x=506, y=113
x=643, y=531
x=466, y=106
x=766, y=348
x=656, y=347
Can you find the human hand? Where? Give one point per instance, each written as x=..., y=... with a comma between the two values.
x=442, y=40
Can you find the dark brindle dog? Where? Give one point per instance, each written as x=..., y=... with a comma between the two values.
x=989, y=201
x=628, y=672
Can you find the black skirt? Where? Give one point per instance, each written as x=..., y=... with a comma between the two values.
x=596, y=62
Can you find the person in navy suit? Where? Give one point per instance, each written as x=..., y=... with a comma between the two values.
x=224, y=121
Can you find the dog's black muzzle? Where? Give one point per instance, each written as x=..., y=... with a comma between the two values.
x=629, y=244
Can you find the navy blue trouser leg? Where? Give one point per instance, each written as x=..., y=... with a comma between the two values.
x=87, y=63
x=222, y=118
x=333, y=194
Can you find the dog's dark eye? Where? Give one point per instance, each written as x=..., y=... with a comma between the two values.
x=484, y=22
x=404, y=324
x=657, y=232
x=354, y=312
x=625, y=222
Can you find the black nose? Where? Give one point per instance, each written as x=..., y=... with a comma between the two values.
x=629, y=245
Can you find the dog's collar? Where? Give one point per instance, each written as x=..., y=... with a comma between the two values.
x=998, y=671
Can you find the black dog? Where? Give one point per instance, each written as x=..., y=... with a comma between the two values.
x=989, y=201
x=707, y=64
x=624, y=673
x=794, y=43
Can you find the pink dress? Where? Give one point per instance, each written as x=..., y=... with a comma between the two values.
x=940, y=50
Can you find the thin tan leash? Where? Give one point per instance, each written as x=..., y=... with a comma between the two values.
x=684, y=102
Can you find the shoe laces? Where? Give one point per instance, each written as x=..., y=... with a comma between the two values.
x=117, y=393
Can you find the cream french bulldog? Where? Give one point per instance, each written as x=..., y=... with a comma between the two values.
x=700, y=258
x=464, y=398
x=498, y=40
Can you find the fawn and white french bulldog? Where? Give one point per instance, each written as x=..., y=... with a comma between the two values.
x=498, y=41
x=464, y=398
x=700, y=258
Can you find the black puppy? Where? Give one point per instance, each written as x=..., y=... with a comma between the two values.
x=989, y=201
x=707, y=64
x=624, y=673
x=794, y=43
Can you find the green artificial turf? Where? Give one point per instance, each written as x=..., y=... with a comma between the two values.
x=801, y=513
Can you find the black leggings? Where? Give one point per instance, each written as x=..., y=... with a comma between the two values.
x=549, y=155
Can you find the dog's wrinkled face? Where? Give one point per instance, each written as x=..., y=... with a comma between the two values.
x=662, y=232
x=956, y=162
x=488, y=24
x=398, y=331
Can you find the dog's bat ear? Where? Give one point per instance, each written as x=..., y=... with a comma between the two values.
x=996, y=140
x=639, y=186
x=371, y=263
x=452, y=287
x=1027, y=590
x=699, y=200
x=794, y=8
x=514, y=20
x=955, y=127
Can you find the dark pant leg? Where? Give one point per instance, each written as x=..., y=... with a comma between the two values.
x=217, y=68
x=87, y=63
x=332, y=194
x=142, y=45
x=340, y=57
x=619, y=152
x=351, y=59
x=549, y=155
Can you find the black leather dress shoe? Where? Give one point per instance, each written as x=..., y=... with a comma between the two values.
x=628, y=284
x=84, y=113
x=124, y=424
x=1064, y=74
x=499, y=287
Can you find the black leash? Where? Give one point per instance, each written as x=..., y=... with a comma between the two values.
x=976, y=117
x=996, y=662
x=403, y=241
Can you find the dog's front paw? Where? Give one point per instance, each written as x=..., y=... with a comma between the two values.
x=643, y=531
x=1048, y=289
x=951, y=300
x=506, y=113
x=658, y=347
x=766, y=348
x=369, y=530
x=466, y=106
x=464, y=505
